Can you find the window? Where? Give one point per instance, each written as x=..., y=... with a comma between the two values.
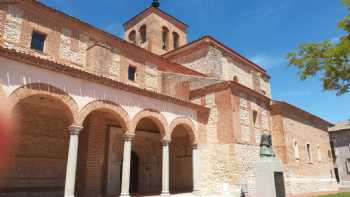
x=255, y=118
x=319, y=154
x=296, y=150
x=176, y=39
x=347, y=165
x=143, y=33
x=132, y=73
x=132, y=36
x=165, y=39
x=38, y=41
x=235, y=78
x=308, y=149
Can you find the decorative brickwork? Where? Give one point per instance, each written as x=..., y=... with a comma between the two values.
x=75, y=55
x=204, y=117
x=118, y=112
x=151, y=78
x=47, y=90
x=190, y=128
x=158, y=119
x=13, y=26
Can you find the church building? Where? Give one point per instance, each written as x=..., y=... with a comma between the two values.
x=145, y=115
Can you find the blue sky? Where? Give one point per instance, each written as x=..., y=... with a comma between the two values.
x=264, y=31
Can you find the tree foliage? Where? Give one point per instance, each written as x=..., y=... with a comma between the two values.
x=328, y=58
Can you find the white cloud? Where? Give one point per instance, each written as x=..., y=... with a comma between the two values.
x=335, y=40
x=267, y=61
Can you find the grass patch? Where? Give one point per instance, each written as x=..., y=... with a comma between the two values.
x=337, y=195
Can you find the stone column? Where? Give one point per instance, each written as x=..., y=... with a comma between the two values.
x=126, y=166
x=72, y=160
x=165, y=168
x=195, y=170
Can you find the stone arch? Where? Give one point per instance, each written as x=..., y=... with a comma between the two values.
x=34, y=89
x=165, y=38
x=188, y=124
x=108, y=106
x=235, y=78
x=155, y=116
x=132, y=36
x=176, y=40
x=143, y=33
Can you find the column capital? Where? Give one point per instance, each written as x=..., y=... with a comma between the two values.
x=128, y=137
x=75, y=129
x=194, y=146
x=165, y=142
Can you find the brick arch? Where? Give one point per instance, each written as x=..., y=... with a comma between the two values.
x=37, y=89
x=188, y=124
x=156, y=117
x=103, y=105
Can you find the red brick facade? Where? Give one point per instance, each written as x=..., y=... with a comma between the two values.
x=202, y=103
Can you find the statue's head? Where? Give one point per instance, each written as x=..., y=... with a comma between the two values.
x=266, y=146
x=266, y=140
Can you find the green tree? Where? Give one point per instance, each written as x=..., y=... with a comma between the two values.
x=329, y=59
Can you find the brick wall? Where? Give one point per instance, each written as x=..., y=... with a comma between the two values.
x=229, y=156
x=154, y=43
x=214, y=63
x=303, y=175
x=39, y=163
x=76, y=45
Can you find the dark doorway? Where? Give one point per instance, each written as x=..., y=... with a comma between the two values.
x=336, y=173
x=134, y=173
x=279, y=184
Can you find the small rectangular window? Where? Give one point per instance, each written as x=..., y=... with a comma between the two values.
x=255, y=118
x=308, y=149
x=132, y=73
x=38, y=41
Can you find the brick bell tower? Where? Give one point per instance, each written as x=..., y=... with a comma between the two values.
x=155, y=30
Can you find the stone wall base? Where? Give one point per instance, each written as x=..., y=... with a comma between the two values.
x=303, y=185
x=344, y=185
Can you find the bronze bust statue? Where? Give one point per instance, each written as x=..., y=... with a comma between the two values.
x=266, y=146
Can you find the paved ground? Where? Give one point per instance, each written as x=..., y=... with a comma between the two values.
x=320, y=193
x=306, y=195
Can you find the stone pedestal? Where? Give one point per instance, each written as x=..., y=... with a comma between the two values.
x=269, y=177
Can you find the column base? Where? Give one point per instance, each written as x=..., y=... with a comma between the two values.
x=165, y=194
x=69, y=195
x=196, y=192
x=125, y=195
